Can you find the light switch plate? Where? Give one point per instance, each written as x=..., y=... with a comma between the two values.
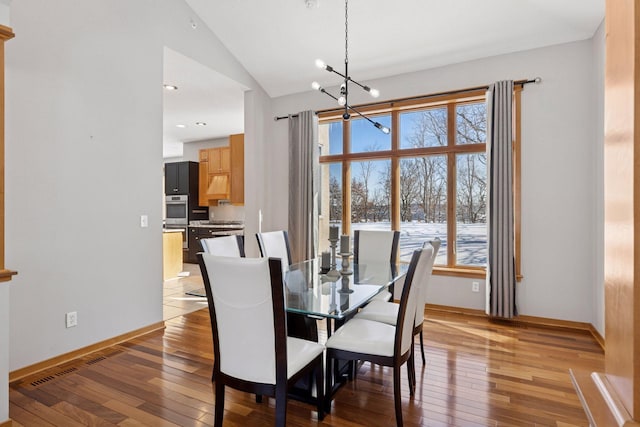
x=144, y=221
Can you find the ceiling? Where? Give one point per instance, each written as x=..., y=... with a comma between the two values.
x=204, y=96
x=278, y=41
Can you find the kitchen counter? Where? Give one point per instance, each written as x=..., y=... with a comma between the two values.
x=174, y=230
x=171, y=253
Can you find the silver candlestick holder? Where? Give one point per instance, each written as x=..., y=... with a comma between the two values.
x=345, y=263
x=333, y=272
x=345, y=289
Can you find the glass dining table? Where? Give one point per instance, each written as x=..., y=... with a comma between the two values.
x=311, y=295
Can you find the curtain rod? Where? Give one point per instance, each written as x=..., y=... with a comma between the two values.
x=523, y=82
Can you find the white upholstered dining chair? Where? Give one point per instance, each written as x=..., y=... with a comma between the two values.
x=376, y=246
x=275, y=244
x=252, y=352
x=380, y=343
x=232, y=246
x=387, y=312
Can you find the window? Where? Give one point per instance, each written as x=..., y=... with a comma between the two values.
x=427, y=178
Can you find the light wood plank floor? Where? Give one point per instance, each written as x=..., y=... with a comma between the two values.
x=477, y=374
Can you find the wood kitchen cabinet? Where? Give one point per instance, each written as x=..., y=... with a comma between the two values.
x=221, y=172
x=219, y=160
x=236, y=144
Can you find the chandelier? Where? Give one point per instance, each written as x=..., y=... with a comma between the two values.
x=343, y=98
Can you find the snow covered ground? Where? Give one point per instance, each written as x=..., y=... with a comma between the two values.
x=471, y=245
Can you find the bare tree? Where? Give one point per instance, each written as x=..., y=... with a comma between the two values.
x=366, y=169
x=472, y=188
x=335, y=196
x=471, y=168
x=358, y=200
x=409, y=188
x=430, y=129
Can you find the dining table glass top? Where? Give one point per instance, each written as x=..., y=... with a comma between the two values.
x=309, y=292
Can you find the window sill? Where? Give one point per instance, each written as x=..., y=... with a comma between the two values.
x=470, y=272
x=5, y=275
x=474, y=273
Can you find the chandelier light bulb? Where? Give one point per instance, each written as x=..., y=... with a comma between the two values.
x=384, y=129
x=342, y=101
x=315, y=85
x=374, y=92
x=320, y=64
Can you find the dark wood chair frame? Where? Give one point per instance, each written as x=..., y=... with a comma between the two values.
x=280, y=389
x=395, y=361
x=239, y=241
x=298, y=325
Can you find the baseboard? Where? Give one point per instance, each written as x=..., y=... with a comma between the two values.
x=597, y=336
x=66, y=357
x=7, y=423
x=524, y=320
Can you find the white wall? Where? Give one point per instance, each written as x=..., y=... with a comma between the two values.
x=259, y=145
x=84, y=161
x=558, y=154
x=598, y=176
x=5, y=14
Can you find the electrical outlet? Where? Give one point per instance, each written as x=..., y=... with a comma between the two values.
x=475, y=286
x=144, y=221
x=71, y=319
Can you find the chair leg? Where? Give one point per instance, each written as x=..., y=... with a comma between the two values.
x=219, y=412
x=258, y=398
x=411, y=365
x=281, y=406
x=424, y=362
x=396, y=395
x=411, y=370
x=320, y=390
x=328, y=389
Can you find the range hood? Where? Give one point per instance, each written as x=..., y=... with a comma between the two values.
x=219, y=186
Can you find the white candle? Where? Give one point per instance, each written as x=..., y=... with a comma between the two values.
x=344, y=244
x=333, y=232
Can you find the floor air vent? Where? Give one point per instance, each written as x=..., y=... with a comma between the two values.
x=66, y=371
x=96, y=360
x=42, y=380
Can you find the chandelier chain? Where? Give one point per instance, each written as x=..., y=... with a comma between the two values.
x=346, y=32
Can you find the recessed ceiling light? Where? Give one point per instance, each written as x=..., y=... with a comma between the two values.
x=170, y=87
x=201, y=123
x=181, y=126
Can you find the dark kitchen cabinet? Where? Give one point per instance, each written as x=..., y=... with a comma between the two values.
x=181, y=178
x=194, y=236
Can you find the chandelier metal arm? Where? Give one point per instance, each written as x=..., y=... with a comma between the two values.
x=343, y=99
x=333, y=70
x=378, y=125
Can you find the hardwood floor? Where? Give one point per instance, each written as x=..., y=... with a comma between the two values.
x=477, y=374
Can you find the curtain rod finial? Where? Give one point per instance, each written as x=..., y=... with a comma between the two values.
x=538, y=80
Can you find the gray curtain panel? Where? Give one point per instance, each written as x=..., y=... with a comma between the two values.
x=501, y=277
x=304, y=167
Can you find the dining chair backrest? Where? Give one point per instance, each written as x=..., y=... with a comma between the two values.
x=409, y=300
x=375, y=245
x=275, y=244
x=247, y=316
x=224, y=246
x=423, y=277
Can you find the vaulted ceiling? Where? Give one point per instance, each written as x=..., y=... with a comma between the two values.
x=278, y=41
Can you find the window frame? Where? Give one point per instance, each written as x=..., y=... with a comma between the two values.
x=395, y=154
